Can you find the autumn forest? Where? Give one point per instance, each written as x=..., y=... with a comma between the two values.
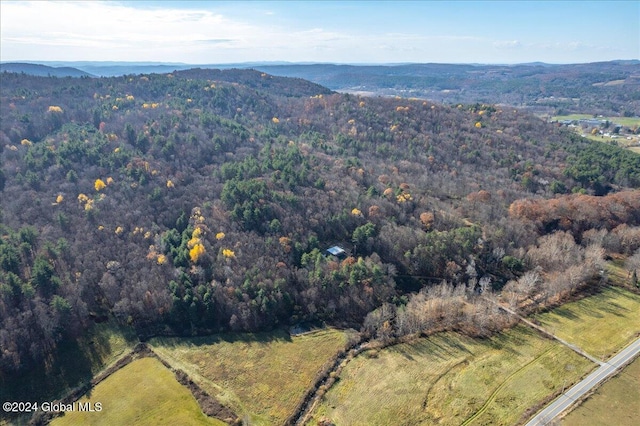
x=204, y=201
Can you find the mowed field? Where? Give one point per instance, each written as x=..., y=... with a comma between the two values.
x=616, y=402
x=144, y=392
x=451, y=379
x=622, y=141
x=625, y=121
x=262, y=376
x=74, y=363
x=601, y=324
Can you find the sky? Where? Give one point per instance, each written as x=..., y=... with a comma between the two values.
x=218, y=32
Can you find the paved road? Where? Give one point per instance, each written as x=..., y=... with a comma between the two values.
x=565, y=400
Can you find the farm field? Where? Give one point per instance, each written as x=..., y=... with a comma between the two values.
x=144, y=392
x=625, y=121
x=622, y=141
x=616, y=402
x=600, y=325
x=75, y=362
x=262, y=376
x=451, y=379
x=618, y=274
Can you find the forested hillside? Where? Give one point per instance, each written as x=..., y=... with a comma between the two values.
x=599, y=87
x=204, y=200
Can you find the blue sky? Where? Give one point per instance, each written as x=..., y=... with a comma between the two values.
x=201, y=32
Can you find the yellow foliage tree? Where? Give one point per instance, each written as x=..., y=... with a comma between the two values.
x=197, y=251
x=99, y=185
x=404, y=197
x=54, y=108
x=59, y=199
x=220, y=236
x=478, y=125
x=162, y=259
x=170, y=184
x=356, y=212
x=193, y=242
x=228, y=253
x=275, y=120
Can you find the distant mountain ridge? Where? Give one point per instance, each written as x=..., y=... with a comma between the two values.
x=294, y=69
x=607, y=88
x=43, y=70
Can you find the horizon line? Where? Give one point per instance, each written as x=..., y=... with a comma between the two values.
x=276, y=63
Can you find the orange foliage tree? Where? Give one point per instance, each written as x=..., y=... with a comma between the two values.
x=578, y=212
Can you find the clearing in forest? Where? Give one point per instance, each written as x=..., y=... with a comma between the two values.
x=74, y=363
x=601, y=324
x=451, y=379
x=143, y=392
x=262, y=377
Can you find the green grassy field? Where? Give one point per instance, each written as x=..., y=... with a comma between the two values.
x=617, y=402
x=630, y=122
x=600, y=325
x=144, y=392
x=621, y=141
x=260, y=376
x=450, y=379
x=625, y=121
x=618, y=274
x=75, y=362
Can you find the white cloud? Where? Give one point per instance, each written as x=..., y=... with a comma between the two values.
x=94, y=30
x=99, y=30
x=506, y=44
x=112, y=30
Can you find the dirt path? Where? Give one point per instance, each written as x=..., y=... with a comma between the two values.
x=494, y=394
x=325, y=381
x=551, y=335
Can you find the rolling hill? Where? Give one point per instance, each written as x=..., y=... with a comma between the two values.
x=202, y=201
